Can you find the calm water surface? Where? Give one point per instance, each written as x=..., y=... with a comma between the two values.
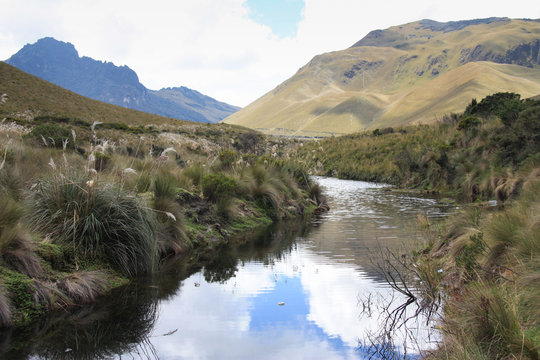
x=298, y=291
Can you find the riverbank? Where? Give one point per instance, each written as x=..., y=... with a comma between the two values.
x=483, y=262
x=87, y=207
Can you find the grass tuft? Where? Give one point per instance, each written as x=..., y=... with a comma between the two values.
x=98, y=222
x=82, y=287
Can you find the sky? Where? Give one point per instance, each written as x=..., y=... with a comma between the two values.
x=232, y=50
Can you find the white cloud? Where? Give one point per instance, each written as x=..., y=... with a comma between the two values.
x=213, y=46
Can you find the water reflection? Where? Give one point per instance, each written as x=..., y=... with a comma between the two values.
x=296, y=290
x=93, y=332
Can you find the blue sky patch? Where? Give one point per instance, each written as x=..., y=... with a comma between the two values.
x=282, y=16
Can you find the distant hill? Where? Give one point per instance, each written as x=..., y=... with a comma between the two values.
x=59, y=62
x=412, y=73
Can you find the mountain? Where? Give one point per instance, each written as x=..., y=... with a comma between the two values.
x=27, y=96
x=59, y=62
x=412, y=73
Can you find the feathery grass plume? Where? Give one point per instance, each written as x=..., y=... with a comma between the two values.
x=16, y=245
x=168, y=150
x=5, y=309
x=82, y=287
x=99, y=222
x=128, y=171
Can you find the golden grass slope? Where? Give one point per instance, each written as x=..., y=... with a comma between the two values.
x=416, y=73
x=29, y=96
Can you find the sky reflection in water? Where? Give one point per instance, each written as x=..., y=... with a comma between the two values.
x=320, y=278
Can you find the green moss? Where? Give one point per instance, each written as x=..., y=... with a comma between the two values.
x=22, y=294
x=55, y=255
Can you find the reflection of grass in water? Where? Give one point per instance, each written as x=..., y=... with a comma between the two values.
x=118, y=325
x=122, y=322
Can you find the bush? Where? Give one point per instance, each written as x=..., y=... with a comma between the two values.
x=218, y=186
x=227, y=158
x=54, y=135
x=100, y=223
x=468, y=123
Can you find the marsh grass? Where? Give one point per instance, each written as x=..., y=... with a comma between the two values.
x=82, y=287
x=16, y=245
x=492, y=274
x=97, y=221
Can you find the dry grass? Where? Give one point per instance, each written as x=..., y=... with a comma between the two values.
x=82, y=287
x=16, y=245
x=5, y=309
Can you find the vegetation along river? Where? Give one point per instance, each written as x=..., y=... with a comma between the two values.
x=299, y=290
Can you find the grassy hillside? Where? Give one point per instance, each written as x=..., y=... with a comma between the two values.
x=30, y=96
x=413, y=73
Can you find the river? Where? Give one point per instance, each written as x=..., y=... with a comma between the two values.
x=300, y=290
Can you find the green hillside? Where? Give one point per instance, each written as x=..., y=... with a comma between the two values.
x=413, y=73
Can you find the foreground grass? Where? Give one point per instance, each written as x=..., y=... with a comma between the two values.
x=489, y=269
x=85, y=207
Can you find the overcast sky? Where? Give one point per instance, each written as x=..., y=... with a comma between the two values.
x=232, y=50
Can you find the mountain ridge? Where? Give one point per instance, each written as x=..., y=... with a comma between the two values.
x=418, y=73
x=59, y=62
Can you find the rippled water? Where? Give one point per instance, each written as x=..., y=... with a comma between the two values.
x=299, y=291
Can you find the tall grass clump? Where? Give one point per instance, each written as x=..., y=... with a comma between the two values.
x=16, y=245
x=492, y=272
x=265, y=187
x=97, y=221
x=171, y=235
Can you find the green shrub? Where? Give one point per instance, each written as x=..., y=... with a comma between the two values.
x=468, y=123
x=101, y=223
x=51, y=135
x=227, y=158
x=218, y=186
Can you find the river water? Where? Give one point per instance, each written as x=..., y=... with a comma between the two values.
x=301, y=290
